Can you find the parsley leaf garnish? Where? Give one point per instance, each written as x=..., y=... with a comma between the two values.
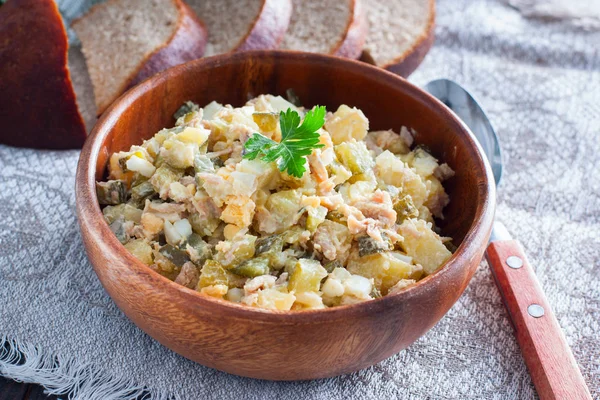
x=297, y=141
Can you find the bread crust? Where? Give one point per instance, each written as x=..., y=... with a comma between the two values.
x=187, y=43
x=37, y=103
x=351, y=44
x=406, y=63
x=269, y=27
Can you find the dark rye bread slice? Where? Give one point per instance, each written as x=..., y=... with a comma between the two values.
x=401, y=32
x=235, y=25
x=37, y=102
x=127, y=41
x=337, y=27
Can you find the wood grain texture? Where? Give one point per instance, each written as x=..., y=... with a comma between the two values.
x=299, y=344
x=547, y=355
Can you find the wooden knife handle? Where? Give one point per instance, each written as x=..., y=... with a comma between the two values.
x=547, y=355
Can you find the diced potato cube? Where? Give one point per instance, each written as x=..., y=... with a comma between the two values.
x=266, y=173
x=333, y=287
x=423, y=162
x=235, y=295
x=141, y=250
x=195, y=136
x=358, y=286
x=423, y=245
x=394, y=172
x=347, y=123
x=307, y=276
x=384, y=268
x=178, y=154
x=143, y=167
x=309, y=300
x=274, y=299
x=217, y=291
x=238, y=211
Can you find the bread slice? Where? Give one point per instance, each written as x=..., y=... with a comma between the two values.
x=82, y=85
x=337, y=27
x=401, y=33
x=127, y=41
x=235, y=25
x=37, y=102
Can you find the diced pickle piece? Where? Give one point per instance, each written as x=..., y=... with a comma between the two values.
x=163, y=177
x=367, y=245
x=307, y=276
x=330, y=266
x=237, y=251
x=186, y=108
x=118, y=228
x=355, y=156
x=111, y=193
x=141, y=192
x=141, y=250
x=404, y=207
x=202, y=163
x=125, y=211
x=266, y=121
x=316, y=215
x=338, y=172
x=292, y=97
x=384, y=268
x=198, y=250
x=283, y=207
x=423, y=245
x=254, y=267
x=175, y=255
x=269, y=244
x=212, y=274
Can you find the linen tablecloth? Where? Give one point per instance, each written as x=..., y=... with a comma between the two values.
x=537, y=73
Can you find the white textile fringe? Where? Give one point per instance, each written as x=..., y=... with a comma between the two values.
x=63, y=376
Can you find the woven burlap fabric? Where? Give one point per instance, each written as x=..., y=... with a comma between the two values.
x=539, y=80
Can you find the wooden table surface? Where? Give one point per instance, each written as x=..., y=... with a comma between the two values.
x=11, y=390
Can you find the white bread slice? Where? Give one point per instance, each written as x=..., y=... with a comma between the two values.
x=401, y=33
x=126, y=41
x=337, y=27
x=235, y=25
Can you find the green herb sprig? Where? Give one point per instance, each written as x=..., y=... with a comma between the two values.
x=297, y=141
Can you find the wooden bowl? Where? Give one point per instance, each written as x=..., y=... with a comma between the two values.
x=289, y=345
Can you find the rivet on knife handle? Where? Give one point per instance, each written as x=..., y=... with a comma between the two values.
x=547, y=355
